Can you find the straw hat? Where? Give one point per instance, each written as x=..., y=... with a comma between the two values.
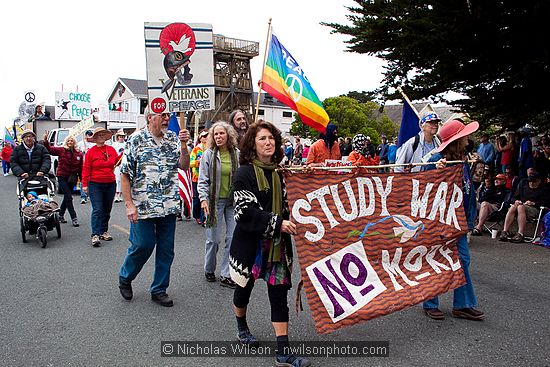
x=28, y=132
x=102, y=131
x=120, y=132
x=454, y=130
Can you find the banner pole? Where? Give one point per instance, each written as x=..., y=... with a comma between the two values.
x=400, y=90
x=263, y=68
x=340, y=168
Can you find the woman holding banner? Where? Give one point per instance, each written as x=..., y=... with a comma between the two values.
x=261, y=247
x=359, y=155
x=454, y=135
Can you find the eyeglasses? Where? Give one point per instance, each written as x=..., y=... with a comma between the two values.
x=164, y=115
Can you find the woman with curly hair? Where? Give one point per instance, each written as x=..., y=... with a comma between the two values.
x=218, y=165
x=261, y=247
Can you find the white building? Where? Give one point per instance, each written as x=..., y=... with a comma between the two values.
x=125, y=105
x=273, y=111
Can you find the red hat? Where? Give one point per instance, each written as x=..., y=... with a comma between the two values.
x=500, y=176
x=454, y=130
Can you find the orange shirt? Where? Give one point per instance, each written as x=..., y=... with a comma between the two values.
x=358, y=159
x=318, y=152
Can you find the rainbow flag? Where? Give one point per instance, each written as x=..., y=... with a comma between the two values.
x=7, y=137
x=285, y=80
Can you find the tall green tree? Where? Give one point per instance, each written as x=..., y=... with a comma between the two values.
x=495, y=53
x=352, y=117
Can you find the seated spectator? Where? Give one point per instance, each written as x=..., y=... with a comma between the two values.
x=512, y=180
x=530, y=196
x=491, y=197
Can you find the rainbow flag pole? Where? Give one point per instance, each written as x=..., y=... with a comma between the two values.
x=263, y=69
x=284, y=79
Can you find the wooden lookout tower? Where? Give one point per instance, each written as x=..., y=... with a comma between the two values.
x=232, y=77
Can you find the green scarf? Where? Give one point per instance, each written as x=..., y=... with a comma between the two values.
x=211, y=219
x=276, y=199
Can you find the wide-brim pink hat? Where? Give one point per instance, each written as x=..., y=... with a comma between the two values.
x=454, y=130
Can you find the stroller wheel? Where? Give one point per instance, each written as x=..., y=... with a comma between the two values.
x=23, y=231
x=42, y=235
x=58, y=227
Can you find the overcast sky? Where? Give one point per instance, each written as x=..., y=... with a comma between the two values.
x=89, y=44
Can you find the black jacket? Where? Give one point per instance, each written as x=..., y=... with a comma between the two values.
x=40, y=160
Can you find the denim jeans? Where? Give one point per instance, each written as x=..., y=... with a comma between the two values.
x=83, y=195
x=144, y=235
x=464, y=297
x=101, y=197
x=6, y=167
x=224, y=212
x=67, y=203
x=198, y=213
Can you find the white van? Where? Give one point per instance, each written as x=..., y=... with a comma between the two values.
x=56, y=137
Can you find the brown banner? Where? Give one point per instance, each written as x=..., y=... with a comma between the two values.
x=371, y=244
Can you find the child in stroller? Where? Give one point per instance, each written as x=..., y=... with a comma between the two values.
x=38, y=214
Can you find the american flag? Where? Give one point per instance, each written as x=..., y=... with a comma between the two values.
x=184, y=176
x=186, y=187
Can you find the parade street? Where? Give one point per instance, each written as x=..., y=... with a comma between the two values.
x=60, y=306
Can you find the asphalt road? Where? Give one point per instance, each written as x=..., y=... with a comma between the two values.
x=60, y=306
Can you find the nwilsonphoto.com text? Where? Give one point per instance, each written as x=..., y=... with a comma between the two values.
x=302, y=348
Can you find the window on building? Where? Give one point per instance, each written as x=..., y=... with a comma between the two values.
x=260, y=112
x=287, y=114
x=142, y=106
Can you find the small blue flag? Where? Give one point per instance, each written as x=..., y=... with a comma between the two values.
x=173, y=124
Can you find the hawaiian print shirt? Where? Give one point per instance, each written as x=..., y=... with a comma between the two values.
x=153, y=172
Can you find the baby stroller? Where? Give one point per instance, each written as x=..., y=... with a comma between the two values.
x=40, y=214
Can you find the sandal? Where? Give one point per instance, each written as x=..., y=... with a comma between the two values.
x=476, y=232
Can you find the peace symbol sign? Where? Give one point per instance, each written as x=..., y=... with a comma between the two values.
x=294, y=87
x=29, y=97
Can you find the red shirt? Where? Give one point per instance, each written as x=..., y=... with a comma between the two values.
x=99, y=165
x=6, y=152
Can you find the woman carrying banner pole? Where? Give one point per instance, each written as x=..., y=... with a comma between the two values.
x=454, y=135
x=261, y=246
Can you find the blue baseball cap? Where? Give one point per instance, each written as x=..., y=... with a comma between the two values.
x=432, y=117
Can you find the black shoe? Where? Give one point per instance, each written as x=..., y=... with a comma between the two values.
x=210, y=277
x=125, y=290
x=290, y=360
x=62, y=219
x=227, y=282
x=246, y=338
x=75, y=223
x=162, y=299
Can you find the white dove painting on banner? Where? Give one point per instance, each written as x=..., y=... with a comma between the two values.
x=180, y=67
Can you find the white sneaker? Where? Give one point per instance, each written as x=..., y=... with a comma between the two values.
x=5, y=174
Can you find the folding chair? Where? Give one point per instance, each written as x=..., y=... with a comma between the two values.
x=543, y=210
x=497, y=217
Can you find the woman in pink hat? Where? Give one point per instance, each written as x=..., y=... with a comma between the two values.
x=454, y=139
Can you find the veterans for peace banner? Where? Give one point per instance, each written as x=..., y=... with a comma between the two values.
x=372, y=244
x=180, y=67
x=285, y=80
